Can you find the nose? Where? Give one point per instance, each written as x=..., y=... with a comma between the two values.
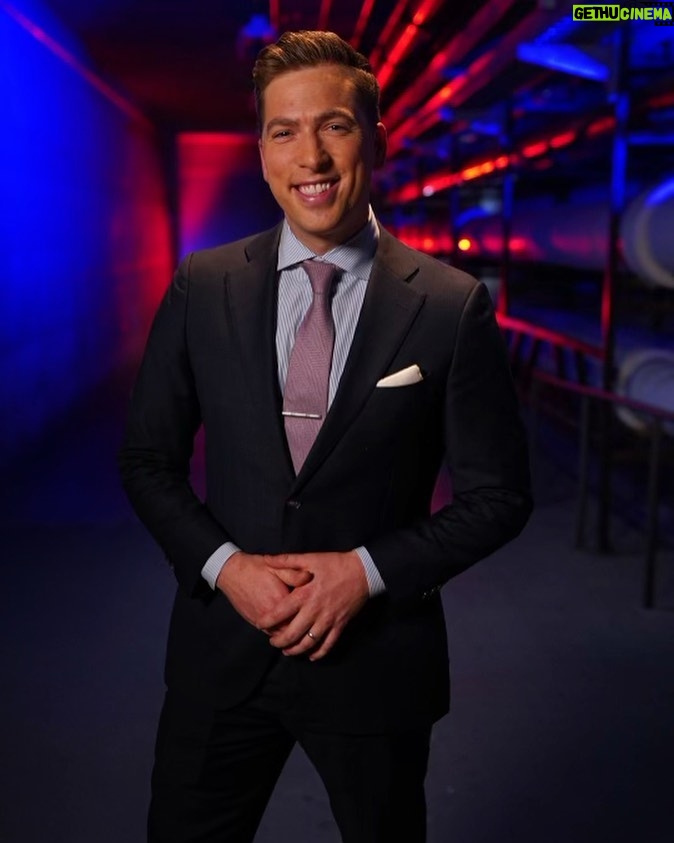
x=312, y=153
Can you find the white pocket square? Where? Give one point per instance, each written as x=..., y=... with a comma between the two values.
x=405, y=377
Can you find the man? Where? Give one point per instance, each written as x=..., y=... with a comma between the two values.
x=307, y=606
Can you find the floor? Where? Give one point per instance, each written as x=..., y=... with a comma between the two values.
x=562, y=726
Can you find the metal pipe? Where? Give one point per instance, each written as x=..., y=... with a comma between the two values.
x=376, y=58
x=647, y=375
x=410, y=34
x=324, y=14
x=475, y=77
x=575, y=233
x=361, y=23
x=434, y=75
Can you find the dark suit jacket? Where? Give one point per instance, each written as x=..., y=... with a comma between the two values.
x=368, y=480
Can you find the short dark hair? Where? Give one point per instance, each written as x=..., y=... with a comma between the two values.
x=307, y=48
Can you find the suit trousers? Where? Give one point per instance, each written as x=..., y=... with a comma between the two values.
x=215, y=770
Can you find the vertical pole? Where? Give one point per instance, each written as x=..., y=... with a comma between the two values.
x=167, y=145
x=621, y=101
x=583, y=469
x=454, y=204
x=620, y=97
x=454, y=212
x=534, y=406
x=652, y=517
x=508, y=189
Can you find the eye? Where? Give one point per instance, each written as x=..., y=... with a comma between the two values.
x=337, y=127
x=280, y=134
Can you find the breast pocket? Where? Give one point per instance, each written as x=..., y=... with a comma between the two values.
x=392, y=412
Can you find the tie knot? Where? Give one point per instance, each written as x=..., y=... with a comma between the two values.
x=321, y=275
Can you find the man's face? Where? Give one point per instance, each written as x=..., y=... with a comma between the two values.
x=318, y=152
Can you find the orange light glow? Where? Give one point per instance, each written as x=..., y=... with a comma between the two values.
x=464, y=244
x=472, y=172
x=421, y=15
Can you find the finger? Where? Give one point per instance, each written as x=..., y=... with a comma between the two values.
x=270, y=632
x=292, y=636
x=305, y=645
x=326, y=645
x=296, y=633
x=282, y=613
x=283, y=560
x=293, y=577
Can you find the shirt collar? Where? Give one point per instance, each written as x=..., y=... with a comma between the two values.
x=355, y=256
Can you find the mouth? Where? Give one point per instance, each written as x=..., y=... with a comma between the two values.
x=314, y=189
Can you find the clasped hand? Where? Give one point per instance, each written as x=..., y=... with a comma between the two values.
x=289, y=595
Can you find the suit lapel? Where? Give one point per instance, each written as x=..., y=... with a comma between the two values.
x=252, y=292
x=389, y=309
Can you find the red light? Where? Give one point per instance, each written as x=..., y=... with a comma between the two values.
x=423, y=11
x=563, y=139
x=518, y=244
x=601, y=125
x=535, y=149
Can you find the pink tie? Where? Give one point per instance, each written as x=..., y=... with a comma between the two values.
x=305, y=401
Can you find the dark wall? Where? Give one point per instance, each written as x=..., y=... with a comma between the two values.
x=84, y=227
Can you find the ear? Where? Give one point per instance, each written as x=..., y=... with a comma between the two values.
x=260, y=147
x=380, y=145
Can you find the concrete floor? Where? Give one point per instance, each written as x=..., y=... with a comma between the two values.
x=562, y=726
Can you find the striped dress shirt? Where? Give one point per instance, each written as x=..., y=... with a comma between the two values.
x=355, y=259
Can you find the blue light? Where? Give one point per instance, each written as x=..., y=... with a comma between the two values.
x=259, y=27
x=559, y=31
x=83, y=234
x=651, y=46
x=564, y=57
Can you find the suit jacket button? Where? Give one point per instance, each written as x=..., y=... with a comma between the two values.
x=293, y=504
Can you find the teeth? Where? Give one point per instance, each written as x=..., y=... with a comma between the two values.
x=314, y=189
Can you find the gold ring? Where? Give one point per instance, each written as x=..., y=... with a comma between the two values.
x=312, y=636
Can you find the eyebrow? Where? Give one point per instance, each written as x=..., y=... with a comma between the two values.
x=333, y=113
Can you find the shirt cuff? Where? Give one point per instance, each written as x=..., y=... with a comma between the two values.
x=216, y=562
x=374, y=581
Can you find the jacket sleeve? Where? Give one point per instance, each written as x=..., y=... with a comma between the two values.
x=154, y=460
x=487, y=456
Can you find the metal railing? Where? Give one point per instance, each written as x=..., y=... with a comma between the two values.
x=656, y=420
x=526, y=342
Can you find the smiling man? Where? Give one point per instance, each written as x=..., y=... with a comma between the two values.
x=318, y=161
x=333, y=370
